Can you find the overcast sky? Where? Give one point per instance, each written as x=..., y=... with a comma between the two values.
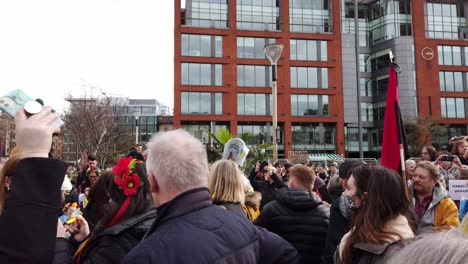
x=50, y=48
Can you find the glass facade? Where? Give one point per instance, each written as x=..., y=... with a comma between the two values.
x=379, y=20
x=309, y=77
x=202, y=45
x=253, y=76
x=199, y=103
x=452, y=55
x=201, y=130
x=254, y=104
x=202, y=74
x=453, y=107
x=440, y=141
x=445, y=19
x=260, y=15
x=252, y=48
x=453, y=81
x=314, y=137
x=308, y=50
x=260, y=132
x=310, y=16
x=205, y=13
x=147, y=126
x=309, y=105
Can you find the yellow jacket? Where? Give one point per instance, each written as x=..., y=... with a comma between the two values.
x=446, y=215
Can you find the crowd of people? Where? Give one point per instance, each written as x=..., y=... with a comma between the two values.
x=171, y=206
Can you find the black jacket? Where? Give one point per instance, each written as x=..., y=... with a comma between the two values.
x=190, y=229
x=337, y=228
x=267, y=189
x=299, y=217
x=28, y=224
x=109, y=245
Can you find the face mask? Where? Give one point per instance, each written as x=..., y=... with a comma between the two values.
x=347, y=206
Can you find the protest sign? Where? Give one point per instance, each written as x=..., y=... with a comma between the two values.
x=458, y=189
x=236, y=150
x=298, y=157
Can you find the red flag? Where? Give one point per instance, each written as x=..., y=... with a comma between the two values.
x=394, y=137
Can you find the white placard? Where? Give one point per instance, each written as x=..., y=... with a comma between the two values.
x=458, y=189
x=236, y=150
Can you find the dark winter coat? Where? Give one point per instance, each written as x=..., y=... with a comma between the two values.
x=110, y=245
x=299, y=217
x=232, y=207
x=267, y=189
x=190, y=229
x=28, y=224
x=337, y=228
x=366, y=253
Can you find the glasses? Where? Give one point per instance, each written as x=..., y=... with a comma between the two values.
x=93, y=177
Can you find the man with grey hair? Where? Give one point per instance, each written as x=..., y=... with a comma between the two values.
x=189, y=228
x=431, y=207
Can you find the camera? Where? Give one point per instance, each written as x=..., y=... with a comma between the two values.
x=447, y=158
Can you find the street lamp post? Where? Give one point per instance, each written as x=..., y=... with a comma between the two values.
x=136, y=129
x=273, y=53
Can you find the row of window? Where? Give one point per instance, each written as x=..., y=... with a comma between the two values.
x=251, y=48
x=262, y=15
x=317, y=137
x=252, y=75
x=205, y=103
x=445, y=19
x=452, y=55
x=454, y=107
x=453, y=81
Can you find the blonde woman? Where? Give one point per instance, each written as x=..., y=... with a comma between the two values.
x=226, y=188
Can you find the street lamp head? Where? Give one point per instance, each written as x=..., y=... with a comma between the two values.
x=273, y=52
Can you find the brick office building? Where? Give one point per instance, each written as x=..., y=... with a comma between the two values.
x=222, y=79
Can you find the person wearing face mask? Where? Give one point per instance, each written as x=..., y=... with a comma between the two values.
x=380, y=217
x=339, y=221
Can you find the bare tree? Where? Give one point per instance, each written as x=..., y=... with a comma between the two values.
x=422, y=131
x=95, y=125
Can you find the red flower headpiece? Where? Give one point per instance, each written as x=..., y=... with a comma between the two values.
x=127, y=181
x=125, y=178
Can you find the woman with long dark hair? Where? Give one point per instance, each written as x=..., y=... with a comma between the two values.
x=130, y=215
x=428, y=153
x=380, y=220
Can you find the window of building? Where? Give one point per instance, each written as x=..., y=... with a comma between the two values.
x=201, y=130
x=205, y=13
x=352, y=139
x=260, y=132
x=453, y=107
x=314, y=137
x=367, y=112
x=253, y=76
x=309, y=105
x=308, y=50
x=309, y=77
x=310, y=16
x=202, y=74
x=258, y=15
x=254, y=104
x=202, y=45
x=452, y=55
x=440, y=140
x=378, y=110
x=453, y=81
x=252, y=48
x=199, y=103
x=445, y=19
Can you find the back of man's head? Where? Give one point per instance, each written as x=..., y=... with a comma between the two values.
x=301, y=177
x=178, y=161
x=346, y=167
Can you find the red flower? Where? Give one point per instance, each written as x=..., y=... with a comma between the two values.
x=122, y=167
x=130, y=184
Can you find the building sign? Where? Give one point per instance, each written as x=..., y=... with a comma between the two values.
x=458, y=189
x=427, y=53
x=296, y=157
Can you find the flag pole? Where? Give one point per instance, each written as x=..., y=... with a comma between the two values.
x=397, y=69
